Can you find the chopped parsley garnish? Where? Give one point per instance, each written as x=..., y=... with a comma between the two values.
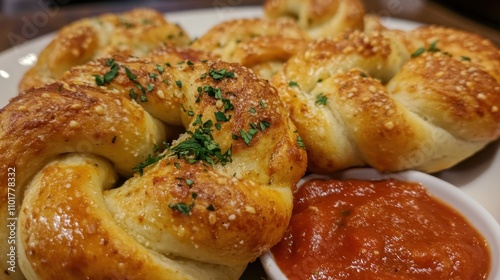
x=247, y=136
x=189, y=182
x=182, y=207
x=160, y=68
x=465, y=58
x=263, y=125
x=201, y=145
x=432, y=48
x=418, y=52
x=178, y=83
x=130, y=75
x=211, y=207
x=132, y=93
x=221, y=117
x=262, y=104
x=109, y=76
x=321, y=99
x=149, y=161
x=150, y=87
x=293, y=84
x=220, y=74
x=300, y=142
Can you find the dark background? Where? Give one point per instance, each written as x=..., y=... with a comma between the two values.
x=479, y=16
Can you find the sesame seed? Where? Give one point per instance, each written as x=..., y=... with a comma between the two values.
x=250, y=209
x=389, y=125
x=160, y=94
x=231, y=217
x=212, y=218
x=74, y=124
x=481, y=96
x=99, y=109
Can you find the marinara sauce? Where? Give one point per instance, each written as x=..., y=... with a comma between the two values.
x=388, y=229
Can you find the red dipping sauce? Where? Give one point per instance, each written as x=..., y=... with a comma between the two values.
x=388, y=229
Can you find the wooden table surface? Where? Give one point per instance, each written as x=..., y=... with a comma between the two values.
x=15, y=29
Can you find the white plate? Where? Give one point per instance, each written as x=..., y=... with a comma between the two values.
x=478, y=176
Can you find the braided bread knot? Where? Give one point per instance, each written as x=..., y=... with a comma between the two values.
x=320, y=18
x=102, y=196
x=132, y=33
x=260, y=44
x=424, y=99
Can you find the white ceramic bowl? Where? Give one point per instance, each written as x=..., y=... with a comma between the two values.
x=479, y=217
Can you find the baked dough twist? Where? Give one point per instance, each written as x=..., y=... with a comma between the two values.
x=320, y=18
x=260, y=44
x=211, y=202
x=135, y=32
x=425, y=99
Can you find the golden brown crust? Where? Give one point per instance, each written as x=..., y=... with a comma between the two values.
x=320, y=18
x=260, y=44
x=380, y=98
x=76, y=135
x=135, y=33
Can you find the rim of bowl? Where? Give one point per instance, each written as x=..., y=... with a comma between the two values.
x=447, y=193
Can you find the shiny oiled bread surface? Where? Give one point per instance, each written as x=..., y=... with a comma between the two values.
x=71, y=139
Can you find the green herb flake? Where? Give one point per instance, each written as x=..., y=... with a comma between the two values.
x=220, y=74
x=248, y=135
x=99, y=80
x=293, y=84
x=153, y=75
x=263, y=125
x=178, y=83
x=221, y=117
x=252, y=110
x=132, y=94
x=321, y=99
x=418, y=52
x=189, y=182
x=130, y=75
x=150, y=87
x=465, y=58
x=300, y=142
x=201, y=146
x=182, y=208
x=160, y=68
x=262, y=104
x=432, y=47
x=211, y=207
x=150, y=160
